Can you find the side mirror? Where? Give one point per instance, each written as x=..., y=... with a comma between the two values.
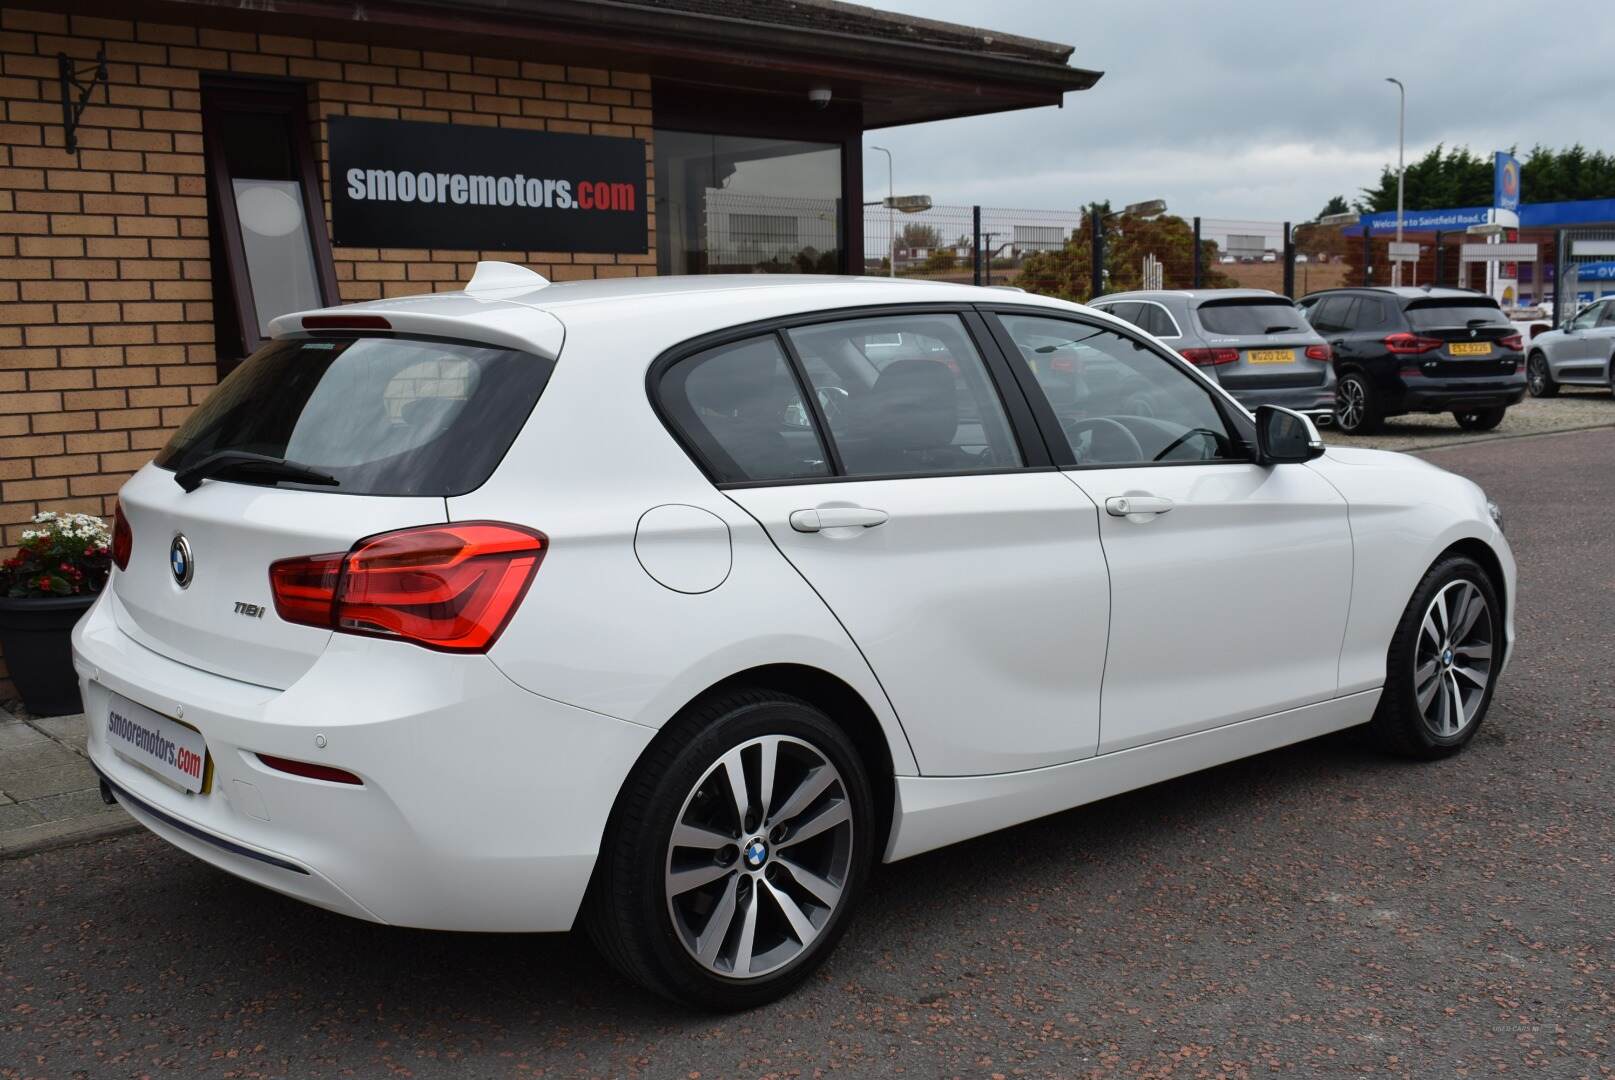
x=1284, y=436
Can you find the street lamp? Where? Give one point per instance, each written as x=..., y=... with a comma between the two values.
x=891, y=218
x=1401, y=170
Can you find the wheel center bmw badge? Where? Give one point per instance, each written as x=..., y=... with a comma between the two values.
x=756, y=854
x=180, y=561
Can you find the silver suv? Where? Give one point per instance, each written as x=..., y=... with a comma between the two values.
x=1579, y=353
x=1252, y=341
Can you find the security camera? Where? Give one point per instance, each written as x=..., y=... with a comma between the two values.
x=820, y=97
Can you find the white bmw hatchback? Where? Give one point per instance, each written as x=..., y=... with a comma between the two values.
x=668, y=607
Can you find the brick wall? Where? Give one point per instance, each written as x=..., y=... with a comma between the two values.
x=106, y=317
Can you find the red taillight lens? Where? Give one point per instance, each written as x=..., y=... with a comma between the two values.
x=1320, y=352
x=1405, y=344
x=123, y=538
x=1210, y=357
x=310, y=770
x=1513, y=341
x=449, y=587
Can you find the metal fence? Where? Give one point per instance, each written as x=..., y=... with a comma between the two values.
x=1053, y=251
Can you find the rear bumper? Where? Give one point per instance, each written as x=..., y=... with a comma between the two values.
x=482, y=805
x=1304, y=399
x=1445, y=397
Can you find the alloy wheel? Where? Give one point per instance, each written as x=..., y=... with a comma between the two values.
x=1349, y=404
x=1537, y=375
x=759, y=856
x=1452, y=665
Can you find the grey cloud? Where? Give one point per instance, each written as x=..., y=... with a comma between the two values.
x=1260, y=109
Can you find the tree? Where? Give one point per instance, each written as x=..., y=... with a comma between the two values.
x=1336, y=205
x=1457, y=177
x=1066, y=272
x=918, y=235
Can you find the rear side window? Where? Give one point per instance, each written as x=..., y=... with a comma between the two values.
x=383, y=416
x=739, y=407
x=906, y=394
x=1155, y=319
x=1250, y=317
x=1454, y=314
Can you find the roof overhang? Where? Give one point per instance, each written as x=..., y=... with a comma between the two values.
x=891, y=78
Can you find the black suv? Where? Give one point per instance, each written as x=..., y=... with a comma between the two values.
x=1401, y=350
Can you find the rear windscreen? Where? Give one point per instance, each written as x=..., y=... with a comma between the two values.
x=1250, y=317
x=383, y=416
x=1454, y=314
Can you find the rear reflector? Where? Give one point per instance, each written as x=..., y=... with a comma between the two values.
x=447, y=587
x=1210, y=357
x=345, y=322
x=123, y=538
x=1320, y=352
x=310, y=770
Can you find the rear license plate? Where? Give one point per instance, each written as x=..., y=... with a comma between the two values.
x=174, y=751
x=1271, y=356
x=1470, y=348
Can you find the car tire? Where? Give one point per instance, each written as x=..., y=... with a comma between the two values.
x=1480, y=419
x=654, y=904
x=1539, y=377
x=1358, y=410
x=1612, y=374
x=1442, y=664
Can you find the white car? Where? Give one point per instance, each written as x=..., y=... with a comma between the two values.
x=536, y=604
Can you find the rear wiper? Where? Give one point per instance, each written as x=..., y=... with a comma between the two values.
x=243, y=462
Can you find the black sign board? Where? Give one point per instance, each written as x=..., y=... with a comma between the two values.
x=402, y=184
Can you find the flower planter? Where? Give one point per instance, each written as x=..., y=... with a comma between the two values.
x=35, y=636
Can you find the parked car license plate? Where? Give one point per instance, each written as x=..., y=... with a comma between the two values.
x=174, y=751
x=1470, y=348
x=1271, y=356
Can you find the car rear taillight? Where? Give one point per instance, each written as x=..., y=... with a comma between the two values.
x=1405, y=344
x=1210, y=357
x=1513, y=341
x=123, y=538
x=448, y=587
x=1320, y=352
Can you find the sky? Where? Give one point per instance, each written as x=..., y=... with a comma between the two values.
x=1258, y=110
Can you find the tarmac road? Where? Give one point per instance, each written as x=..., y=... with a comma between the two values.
x=1320, y=909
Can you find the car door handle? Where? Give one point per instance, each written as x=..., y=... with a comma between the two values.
x=1128, y=505
x=836, y=517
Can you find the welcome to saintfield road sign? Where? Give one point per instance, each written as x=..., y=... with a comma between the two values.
x=403, y=184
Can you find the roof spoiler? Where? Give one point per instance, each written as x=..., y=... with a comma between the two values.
x=495, y=277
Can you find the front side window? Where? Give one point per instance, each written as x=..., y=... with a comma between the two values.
x=1587, y=318
x=906, y=394
x=732, y=204
x=381, y=416
x=738, y=406
x=1119, y=402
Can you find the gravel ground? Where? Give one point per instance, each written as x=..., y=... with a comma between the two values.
x=1319, y=910
x=1574, y=408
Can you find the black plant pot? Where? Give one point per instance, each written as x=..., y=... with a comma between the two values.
x=35, y=635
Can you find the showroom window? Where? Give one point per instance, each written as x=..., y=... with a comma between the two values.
x=271, y=254
x=734, y=204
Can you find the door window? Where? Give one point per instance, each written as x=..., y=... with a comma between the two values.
x=906, y=394
x=1331, y=314
x=1155, y=319
x=739, y=408
x=1118, y=401
x=1609, y=315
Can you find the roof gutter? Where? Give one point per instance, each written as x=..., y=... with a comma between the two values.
x=632, y=28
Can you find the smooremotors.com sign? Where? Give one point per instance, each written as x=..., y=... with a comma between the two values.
x=402, y=184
